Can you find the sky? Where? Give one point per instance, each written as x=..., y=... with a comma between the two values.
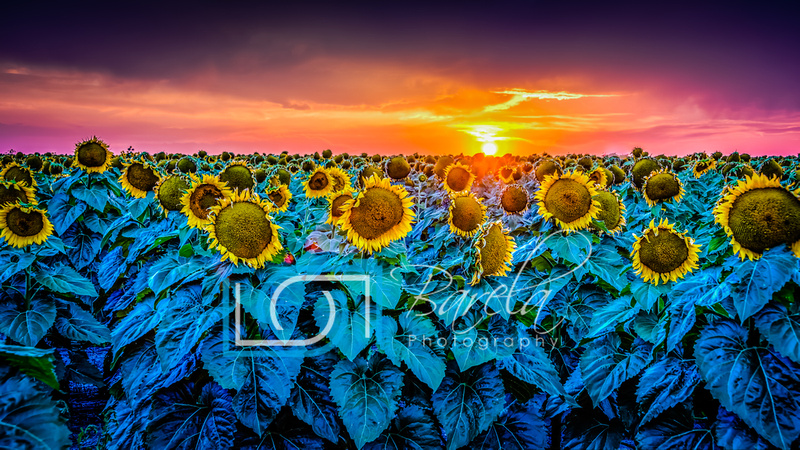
x=402, y=77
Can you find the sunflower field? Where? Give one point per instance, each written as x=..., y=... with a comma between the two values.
x=477, y=302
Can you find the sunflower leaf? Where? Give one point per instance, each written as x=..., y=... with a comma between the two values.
x=756, y=383
x=781, y=329
x=754, y=282
x=467, y=403
x=665, y=384
x=605, y=366
x=32, y=361
x=366, y=392
x=65, y=280
x=415, y=346
x=29, y=418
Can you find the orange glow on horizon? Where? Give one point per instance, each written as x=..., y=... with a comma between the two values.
x=405, y=112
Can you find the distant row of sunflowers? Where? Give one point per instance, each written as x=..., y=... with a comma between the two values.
x=758, y=213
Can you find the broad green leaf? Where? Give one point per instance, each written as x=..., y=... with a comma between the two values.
x=82, y=326
x=65, y=280
x=28, y=325
x=366, y=392
x=467, y=403
x=32, y=361
x=756, y=383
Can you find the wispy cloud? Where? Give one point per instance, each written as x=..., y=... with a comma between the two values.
x=521, y=95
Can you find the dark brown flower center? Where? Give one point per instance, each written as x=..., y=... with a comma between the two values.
x=764, y=218
x=663, y=253
x=379, y=211
x=568, y=200
x=204, y=197
x=25, y=224
x=244, y=229
x=141, y=177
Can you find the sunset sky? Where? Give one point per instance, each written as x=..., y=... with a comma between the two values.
x=390, y=77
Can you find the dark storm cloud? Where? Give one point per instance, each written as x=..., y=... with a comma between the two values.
x=723, y=53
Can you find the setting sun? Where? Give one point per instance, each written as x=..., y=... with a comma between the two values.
x=489, y=148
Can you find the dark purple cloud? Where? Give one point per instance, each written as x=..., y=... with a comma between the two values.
x=724, y=54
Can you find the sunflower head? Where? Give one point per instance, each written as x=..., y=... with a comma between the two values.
x=22, y=226
x=662, y=186
x=336, y=201
x=283, y=176
x=280, y=197
x=92, y=155
x=458, y=178
x=139, y=178
x=495, y=251
x=506, y=174
x=771, y=169
x=642, y=169
x=169, y=192
x=599, y=177
x=13, y=193
x=703, y=166
x=398, y=168
x=238, y=176
x=759, y=214
x=15, y=172
x=466, y=214
x=545, y=168
x=367, y=173
x=241, y=229
x=186, y=165
x=442, y=164
x=319, y=183
x=379, y=214
x=204, y=193
x=567, y=199
x=514, y=199
x=260, y=175
x=663, y=254
x=341, y=180
x=612, y=211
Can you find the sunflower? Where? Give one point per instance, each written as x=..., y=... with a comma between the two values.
x=662, y=186
x=13, y=193
x=466, y=214
x=514, y=199
x=599, y=177
x=545, y=168
x=15, y=172
x=506, y=174
x=379, y=214
x=319, y=184
x=241, y=229
x=703, y=166
x=92, y=155
x=612, y=210
x=202, y=195
x=280, y=198
x=663, y=254
x=642, y=169
x=336, y=200
x=758, y=214
x=341, y=180
x=169, y=192
x=281, y=176
x=568, y=198
x=238, y=176
x=139, y=178
x=398, y=168
x=458, y=178
x=22, y=226
x=495, y=249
